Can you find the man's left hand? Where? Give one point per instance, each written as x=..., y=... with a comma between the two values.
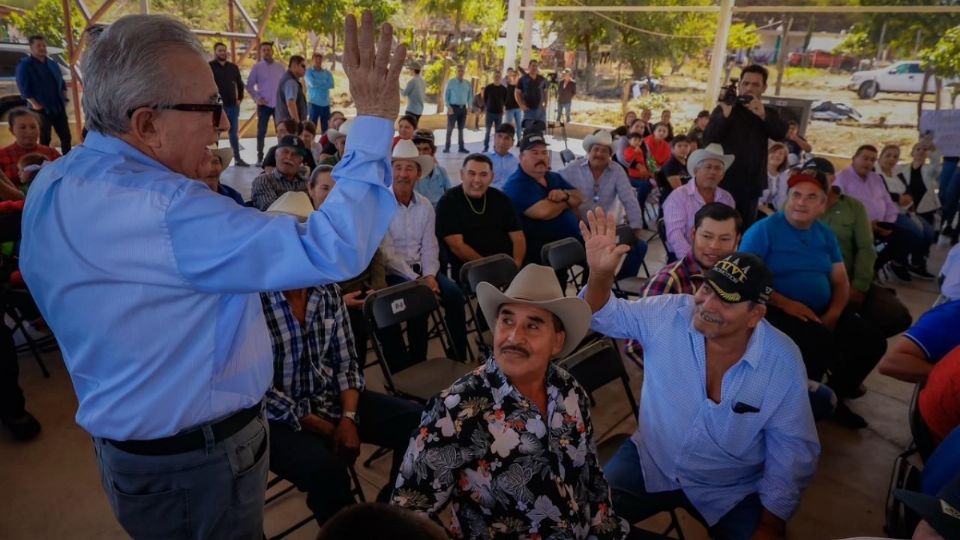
x=346, y=441
x=756, y=107
x=829, y=320
x=431, y=282
x=557, y=195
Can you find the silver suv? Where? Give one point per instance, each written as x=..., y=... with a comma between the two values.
x=10, y=55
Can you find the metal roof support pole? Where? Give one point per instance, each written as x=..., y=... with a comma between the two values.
x=526, y=48
x=719, y=58
x=513, y=32
x=72, y=58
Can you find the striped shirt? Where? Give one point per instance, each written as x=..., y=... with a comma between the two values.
x=313, y=363
x=714, y=453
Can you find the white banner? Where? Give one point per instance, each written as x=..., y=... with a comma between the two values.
x=945, y=126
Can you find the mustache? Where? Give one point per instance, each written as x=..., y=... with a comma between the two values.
x=516, y=349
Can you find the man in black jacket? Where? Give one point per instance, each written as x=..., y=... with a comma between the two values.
x=743, y=130
x=230, y=85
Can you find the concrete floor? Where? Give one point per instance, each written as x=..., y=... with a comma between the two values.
x=52, y=488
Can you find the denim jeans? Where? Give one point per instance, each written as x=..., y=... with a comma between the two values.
x=949, y=190
x=458, y=117
x=633, y=260
x=632, y=500
x=921, y=234
x=319, y=112
x=515, y=117
x=233, y=115
x=216, y=492
x=60, y=123
x=563, y=109
x=493, y=120
x=264, y=114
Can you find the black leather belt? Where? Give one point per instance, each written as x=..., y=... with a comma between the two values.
x=190, y=440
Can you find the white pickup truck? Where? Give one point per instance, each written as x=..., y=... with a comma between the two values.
x=906, y=76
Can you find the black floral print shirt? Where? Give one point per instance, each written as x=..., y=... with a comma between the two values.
x=509, y=471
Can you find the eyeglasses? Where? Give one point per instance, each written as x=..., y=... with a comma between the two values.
x=215, y=108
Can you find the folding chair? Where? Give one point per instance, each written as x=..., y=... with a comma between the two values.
x=631, y=285
x=276, y=480
x=662, y=232
x=900, y=520
x=497, y=270
x=594, y=366
x=35, y=346
x=562, y=256
x=395, y=306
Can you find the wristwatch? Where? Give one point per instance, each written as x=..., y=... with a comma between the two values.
x=353, y=417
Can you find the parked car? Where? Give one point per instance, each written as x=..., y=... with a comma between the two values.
x=905, y=76
x=10, y=55
x=823, y=60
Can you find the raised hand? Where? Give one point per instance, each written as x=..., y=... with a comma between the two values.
x=600, y=237
x=374, y=76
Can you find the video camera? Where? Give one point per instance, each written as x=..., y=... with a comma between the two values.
x=729, y=94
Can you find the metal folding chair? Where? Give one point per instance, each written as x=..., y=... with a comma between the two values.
x=497, y=270
x=276, y=480
x=563, y=255
x=630, y=285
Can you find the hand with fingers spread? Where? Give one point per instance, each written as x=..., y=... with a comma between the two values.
x=600, y=237
x=374, y=76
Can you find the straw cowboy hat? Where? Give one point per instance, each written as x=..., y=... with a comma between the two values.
x=292, y=203
x=406, y=150
x=225, y=155
x=537, y=286
x=712, y=151
x=601, y=137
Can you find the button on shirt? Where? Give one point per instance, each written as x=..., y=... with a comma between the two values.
x=149, y=279
x=503, y=167
x=459, y=92
x=412, y=240
x=510, y=470
x=686, y=441
x=612, y=186
x=264, y=80
x=872, y=193
x=679, y=211
x=319, y=83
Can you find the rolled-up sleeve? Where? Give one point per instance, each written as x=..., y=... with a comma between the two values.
x=220, y=247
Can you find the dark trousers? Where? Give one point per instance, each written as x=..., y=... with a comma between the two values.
x=11, y=396
x=492, y=120
x=399, y=356
x=458, y=117
x=746, y=204
x=309, y=461
x=414, y=115
x=633, y=502
x=897, y=246
x=216, y=492
x=59, y=122
x=320, y=112
x=848, y=353
x=949, y=190
x=233, y=115
x=264, y=114
x=882, y=309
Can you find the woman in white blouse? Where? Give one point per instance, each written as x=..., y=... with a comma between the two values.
x=778, y=172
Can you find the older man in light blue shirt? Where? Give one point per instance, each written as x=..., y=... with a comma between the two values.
x=457, y=96
x=149, y=280
x=726, y=430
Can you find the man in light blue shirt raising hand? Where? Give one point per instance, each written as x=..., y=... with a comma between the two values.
x=726, y=431
x=149, y=280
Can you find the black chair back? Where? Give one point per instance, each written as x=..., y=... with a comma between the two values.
x=598, y=364
x=625, y=235
x=497, y=270
x=662, y=231
x=398, y=304
x=922, y=438
x=562, y=254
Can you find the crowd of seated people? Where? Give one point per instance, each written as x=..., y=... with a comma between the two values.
x=797, y=289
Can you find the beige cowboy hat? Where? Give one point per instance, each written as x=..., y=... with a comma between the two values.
x=292, y=203
x=537, y=286
x=712, y=151
x=601, y=137
x=407, y=150
x=225, y=155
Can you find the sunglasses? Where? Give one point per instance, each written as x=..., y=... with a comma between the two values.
x=216, y=109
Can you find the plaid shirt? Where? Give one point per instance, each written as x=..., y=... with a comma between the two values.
x=681, y=277
x=312, y=364
x=10, y=155
x=268, y=187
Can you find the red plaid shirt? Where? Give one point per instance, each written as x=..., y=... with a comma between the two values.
x=10, y=155
x=681, y=277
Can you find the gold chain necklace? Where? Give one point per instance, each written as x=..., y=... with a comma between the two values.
x=470, y=204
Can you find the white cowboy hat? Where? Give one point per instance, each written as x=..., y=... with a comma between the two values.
x=292, y=203
x=601, y=137
x=712, y=151
x=225, y=155
x=537, y=286
x=407, y=150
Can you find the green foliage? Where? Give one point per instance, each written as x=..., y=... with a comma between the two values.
x=432, y=74
x=902, y=28
x=46, y=19
x=743, y=36
x=858, y=44
x=654, y=102
x=944, y=56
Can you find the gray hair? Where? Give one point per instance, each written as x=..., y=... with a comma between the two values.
x=124, y=68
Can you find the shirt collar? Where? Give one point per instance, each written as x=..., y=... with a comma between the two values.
x=751, y=354
x=495, y=378
x=110, y=144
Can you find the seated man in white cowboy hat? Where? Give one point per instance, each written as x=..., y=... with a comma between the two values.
x=604, y=184
x=411, y=251
x=511, y=443
x=221, y=159
x=707, y=166
x=725, y=428
x=318, y=407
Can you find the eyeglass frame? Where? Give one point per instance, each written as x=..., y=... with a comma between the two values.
x=215, y=108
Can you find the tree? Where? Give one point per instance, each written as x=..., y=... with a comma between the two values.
x=857, y=44
x=943, y=62
x=743, y=36
x=46, y=19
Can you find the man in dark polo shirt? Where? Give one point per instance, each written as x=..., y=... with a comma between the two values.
x=230, y=85
x=475, y=220
x=547, y=203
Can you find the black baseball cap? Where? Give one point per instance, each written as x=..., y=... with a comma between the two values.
x=531, y=139
x=819, y=164
x=292, y=141
x=740, y=277
x=942, y=511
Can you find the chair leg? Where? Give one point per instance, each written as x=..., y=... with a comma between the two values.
x=357, y=488
x=674, y=525
x=377, y=454
x=32, y=345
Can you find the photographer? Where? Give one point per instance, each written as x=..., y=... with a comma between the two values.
x=743, y=125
